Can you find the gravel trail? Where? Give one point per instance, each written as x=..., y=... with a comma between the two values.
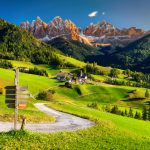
x=64, y=122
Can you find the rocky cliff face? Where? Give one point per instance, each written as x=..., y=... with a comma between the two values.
x=101, y=33
x=105, y=33
x=38, y=28
x=107, y=29
x=56, y=28
x=100, y=29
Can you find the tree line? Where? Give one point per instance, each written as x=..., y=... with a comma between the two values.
x=35, y=70
x=5, y=64
x=145, y=115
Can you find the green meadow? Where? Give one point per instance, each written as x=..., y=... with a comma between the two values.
x=110, y=131
x=35, y=84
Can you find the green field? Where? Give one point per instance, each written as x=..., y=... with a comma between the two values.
x=110, y=132
x=35, y=84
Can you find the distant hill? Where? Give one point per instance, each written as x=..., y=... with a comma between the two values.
x=135, y=56
x=18, y=44
x=74, y=48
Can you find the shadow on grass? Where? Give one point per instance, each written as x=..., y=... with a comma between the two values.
x=133, y=99
x=132, y=91
x=147, y=103
x=20, y=133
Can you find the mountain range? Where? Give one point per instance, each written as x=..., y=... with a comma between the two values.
x=102, y=33
x=19, y=44
x=54, y=29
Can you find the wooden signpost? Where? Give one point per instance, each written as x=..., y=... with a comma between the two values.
x=10, y=97
x=16, y=97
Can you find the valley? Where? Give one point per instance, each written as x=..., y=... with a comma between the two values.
x=70, y=101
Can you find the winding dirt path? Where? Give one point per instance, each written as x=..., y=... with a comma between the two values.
x=64, y=122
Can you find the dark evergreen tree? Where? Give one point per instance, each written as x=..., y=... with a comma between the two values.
x=115, y=110
x=136, y=116
x=149, y=114
x=130, y=113
x=144, y=113
x=122, y=113
x=126, y=112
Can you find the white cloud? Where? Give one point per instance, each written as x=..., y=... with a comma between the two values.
x=93, y=14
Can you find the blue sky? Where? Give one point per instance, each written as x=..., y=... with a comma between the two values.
x=121, y=13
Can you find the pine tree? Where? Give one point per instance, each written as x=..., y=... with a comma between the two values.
x=136, y=115
x=144, y=113
x=147, y=95
x=130, y=113
x=149, y=114
x=114, y=110
x=126, y=112
x=122, y=113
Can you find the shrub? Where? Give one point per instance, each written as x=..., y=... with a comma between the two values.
x=108, y=108
x=77, y=88
x=93, y=105
x=42, y=96
x=114, y=73
x=50, y=94
x=68, y=85
x=46, y=95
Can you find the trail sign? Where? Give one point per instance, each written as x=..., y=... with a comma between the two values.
x=21, y=106
x=16, y=97
x=16, y=92
x=10, y=96
x=10, y=92
x=8, y=101
x=11, y=105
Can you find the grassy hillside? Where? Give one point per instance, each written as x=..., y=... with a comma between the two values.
x=19, y=44
x=16, y=43
x=110, y=132
x=75, y=49
x=35, y=84
x=135, y=56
